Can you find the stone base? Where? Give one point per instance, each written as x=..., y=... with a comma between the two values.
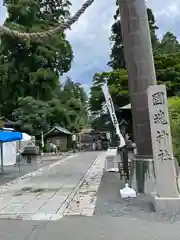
x=165, y=205
x=143, y=175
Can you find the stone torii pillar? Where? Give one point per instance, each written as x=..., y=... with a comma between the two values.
x=141, y=71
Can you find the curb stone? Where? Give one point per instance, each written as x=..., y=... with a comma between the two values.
x=84, y=200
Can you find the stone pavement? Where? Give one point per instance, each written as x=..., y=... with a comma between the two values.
x=84, y=201
x=12, y=172
x=45, y=194
x=113, y=218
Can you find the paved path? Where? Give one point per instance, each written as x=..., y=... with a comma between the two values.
x=45, y=194
x=88, y=228
x=108, y=221
x=84, y=201
x=109, y=203
x=12, y=172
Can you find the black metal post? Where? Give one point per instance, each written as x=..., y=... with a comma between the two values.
x=2, y=169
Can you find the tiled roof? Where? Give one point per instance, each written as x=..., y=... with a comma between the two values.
x=60, y=129
x=126, y=106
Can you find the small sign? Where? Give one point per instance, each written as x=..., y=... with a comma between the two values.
x=112, y=152
x=108, y=135
x=73, y=138
x=161, y=141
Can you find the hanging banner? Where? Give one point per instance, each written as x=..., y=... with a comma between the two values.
x=112, y=113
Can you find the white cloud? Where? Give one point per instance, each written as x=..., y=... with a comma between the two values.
x=92, y=56
x=90, y=39
x=167, y=15
x=3, y=12
x=87, y=87
x=90, y=35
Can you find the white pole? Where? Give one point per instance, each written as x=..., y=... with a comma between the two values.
x=42, y=139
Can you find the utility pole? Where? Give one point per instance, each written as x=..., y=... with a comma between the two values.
x=141, y=70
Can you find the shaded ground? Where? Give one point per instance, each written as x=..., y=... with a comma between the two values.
x=109, y=203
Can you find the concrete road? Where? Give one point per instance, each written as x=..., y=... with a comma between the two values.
x=12, y=172
x=44, y=195
x=109, y=203
x=104, y=225
x=88, y=228
x=68, y=173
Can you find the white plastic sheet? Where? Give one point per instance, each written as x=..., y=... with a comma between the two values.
x=24, y=142
x=26, y=137
x=127, y=192
x=111, y=160
x=9, y=153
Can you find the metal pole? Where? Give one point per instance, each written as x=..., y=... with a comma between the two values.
x=2, y=169
x=42, y=139
x=19, y=163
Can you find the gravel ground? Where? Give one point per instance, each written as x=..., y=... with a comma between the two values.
x=109, y=203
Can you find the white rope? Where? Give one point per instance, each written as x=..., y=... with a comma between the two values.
x=50, y=32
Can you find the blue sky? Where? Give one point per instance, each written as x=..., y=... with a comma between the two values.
x=89, y=37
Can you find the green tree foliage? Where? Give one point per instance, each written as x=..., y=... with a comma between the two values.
x=174, y=110
x=32, y=68
x=167, y=64
x=169, y=44
x=32, y=114
x=118, y=87
x=153, y=28
x=102, y=123
x=117, y=60
x=65, y=110
x=30, y=91
x=75, y=90
x=75, y=99
x=168, y=72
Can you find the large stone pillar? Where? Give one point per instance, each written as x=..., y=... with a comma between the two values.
x=141, y=72
x=140, y=65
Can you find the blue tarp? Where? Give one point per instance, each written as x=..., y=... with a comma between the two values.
x=6, y=136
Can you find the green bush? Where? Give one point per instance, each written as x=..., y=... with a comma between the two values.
x=46, y=148
x=174, y=112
